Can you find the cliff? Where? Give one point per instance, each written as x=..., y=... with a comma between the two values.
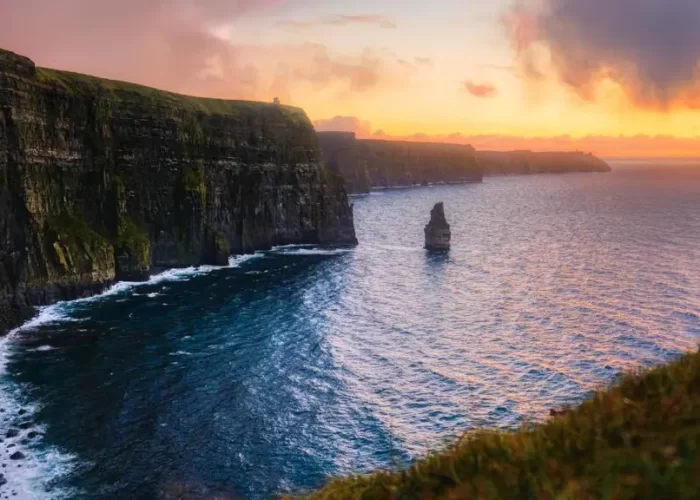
x=103, y=181
x=372, y=164
x=528, y=162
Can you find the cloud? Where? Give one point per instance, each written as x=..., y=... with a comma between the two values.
x=181, y=46
x=360, y=73
x=650, y=48
x=423, y=61
x=344, y=124
x=480, y=90
x=342, y=20
x=638, y=146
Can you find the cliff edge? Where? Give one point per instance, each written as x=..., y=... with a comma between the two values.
x=103, y=180
x=373, y=164
x=530, y=162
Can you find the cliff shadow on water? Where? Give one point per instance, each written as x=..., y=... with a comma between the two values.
x=103, y=181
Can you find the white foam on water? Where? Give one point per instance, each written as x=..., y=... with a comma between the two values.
x=43, y=348
x=29, y=477
x=315, y=251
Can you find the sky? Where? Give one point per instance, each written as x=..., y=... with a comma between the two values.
x=618, y=78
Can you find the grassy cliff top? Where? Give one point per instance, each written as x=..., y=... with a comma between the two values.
x=118, y=91
x=639, y=439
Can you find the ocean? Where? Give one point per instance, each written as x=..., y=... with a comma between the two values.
x=295, y=365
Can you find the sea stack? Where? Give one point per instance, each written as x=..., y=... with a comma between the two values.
x=437, y=232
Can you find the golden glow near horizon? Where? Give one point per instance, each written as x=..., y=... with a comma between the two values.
x=444, y=70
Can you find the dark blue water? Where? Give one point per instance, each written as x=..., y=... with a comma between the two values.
x=298, y=364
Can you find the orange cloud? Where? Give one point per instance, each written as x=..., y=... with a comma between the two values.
x=480, y=90
x=344, y=124
x=639, y=146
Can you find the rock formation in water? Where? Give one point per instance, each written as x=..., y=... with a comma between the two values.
x=437, y=232
x=103, y=181
x=371, y=164
x=529, y=162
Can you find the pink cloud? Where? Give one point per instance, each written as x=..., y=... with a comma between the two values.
x=650, y=48
x=480, y=90
x=342, y=20
x=177, y=46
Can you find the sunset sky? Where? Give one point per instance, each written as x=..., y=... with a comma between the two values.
x=500, y=74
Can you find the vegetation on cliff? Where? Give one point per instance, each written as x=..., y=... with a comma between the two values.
x=639, y=439
x=150, y=180
x=79, y=84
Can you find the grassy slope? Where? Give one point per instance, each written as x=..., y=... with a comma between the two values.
x=638, y=439
x=124, y=91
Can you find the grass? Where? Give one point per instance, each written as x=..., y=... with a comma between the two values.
x=116, y=91
x=639, y=439
x=124, y=92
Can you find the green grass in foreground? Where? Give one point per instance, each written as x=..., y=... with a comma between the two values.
x=638, y=439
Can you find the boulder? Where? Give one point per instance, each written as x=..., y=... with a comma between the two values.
x=437, y=232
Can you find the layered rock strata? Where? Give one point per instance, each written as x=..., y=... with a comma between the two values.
x=103, y=181
x=372, y=164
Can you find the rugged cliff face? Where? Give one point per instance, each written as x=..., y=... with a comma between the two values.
x=103, y=180
x=368, y=164
x=528, y=162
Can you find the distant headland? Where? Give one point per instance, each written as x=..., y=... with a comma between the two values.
x=368, y=164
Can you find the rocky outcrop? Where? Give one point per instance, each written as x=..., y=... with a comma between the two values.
x=103, y=180
x=529, y=162
x=372, y=164
x=437, y=232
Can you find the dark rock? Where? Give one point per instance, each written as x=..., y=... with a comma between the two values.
x=530, y=162
x=22, y=412
x=3, y=481
x=11, y=445
x=18, y=455
x=32, y=434
x=106, y=181
x=11, y=433
x=26, y=425
x=437, y=232
x=371, y=164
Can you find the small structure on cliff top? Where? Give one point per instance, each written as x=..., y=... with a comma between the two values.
x=437, y=232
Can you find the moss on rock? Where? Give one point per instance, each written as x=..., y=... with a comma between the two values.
x=133, y=250
x=74, y=241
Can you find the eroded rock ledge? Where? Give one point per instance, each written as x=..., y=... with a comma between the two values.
x=103, y=180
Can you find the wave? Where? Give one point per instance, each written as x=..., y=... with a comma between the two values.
x=29, y=477
x=312, y=251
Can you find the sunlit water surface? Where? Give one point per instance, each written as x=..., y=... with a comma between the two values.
x=298, y=364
